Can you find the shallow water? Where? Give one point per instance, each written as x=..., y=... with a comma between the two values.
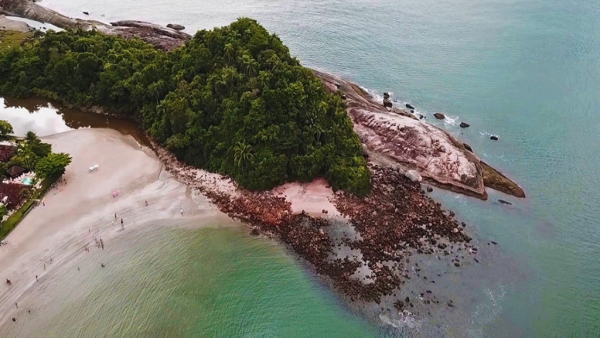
x=525, y=70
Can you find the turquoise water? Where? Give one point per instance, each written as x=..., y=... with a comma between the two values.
x=526, y=70
x=27, y=181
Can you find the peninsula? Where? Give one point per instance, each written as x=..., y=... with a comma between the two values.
x=287, y=150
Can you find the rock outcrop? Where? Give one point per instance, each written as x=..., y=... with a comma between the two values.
x=161, y=37
x=398, y=139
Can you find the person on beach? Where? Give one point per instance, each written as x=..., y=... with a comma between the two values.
x=146, y=203
x=8, y=281
x=36, y=278
x=78, y=269
x=102, y=264
x=101, y=243
x=44, y=266
x=115, y=215
x=181, y=211
x=16, y=305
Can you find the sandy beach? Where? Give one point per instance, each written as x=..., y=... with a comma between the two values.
x=83, y=209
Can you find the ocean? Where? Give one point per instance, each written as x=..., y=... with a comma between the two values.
x=527, y=71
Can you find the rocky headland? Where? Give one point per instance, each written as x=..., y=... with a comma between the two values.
x=361, y=245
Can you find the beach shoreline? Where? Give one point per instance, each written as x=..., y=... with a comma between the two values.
x=77, y=213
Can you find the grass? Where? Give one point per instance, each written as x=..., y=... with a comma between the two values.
x=12, y=38
x=18, y=215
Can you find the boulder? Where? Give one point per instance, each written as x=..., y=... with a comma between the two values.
x=439, y=116
x=386, y=95
x=414, y=176
x=468, y=147
x=86, y=13
x=464, y=125
x=494, y=137
x=387, y=103
x=410, y=106
x=176, y=26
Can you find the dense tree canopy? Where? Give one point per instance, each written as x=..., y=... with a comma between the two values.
x=232, y=100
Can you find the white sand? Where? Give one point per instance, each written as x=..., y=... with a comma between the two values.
x=84, y=209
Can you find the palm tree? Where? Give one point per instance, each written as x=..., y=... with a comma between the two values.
x=243, y=154
x=229, y=52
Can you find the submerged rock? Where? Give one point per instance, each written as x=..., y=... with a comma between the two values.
x=439, y=116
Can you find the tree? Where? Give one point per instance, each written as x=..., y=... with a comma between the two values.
x=243, y=154
x=52, y=165
x=5, y=129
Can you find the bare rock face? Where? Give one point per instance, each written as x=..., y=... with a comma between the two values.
x=398, y=139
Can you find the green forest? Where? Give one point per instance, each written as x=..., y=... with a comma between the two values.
x=231, y=100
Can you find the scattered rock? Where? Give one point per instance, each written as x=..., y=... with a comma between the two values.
x=504, y=202
x=450, y=303
x=494, y=243
x=176, y=26
x=414, y=176
x=494, y=137
x=410, y=106
x=387, y=103
x=439, y=116
x=464, y=125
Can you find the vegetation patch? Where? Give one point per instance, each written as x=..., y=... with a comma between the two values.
x=10, y=39
x=232, y=100
x=30, y=160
